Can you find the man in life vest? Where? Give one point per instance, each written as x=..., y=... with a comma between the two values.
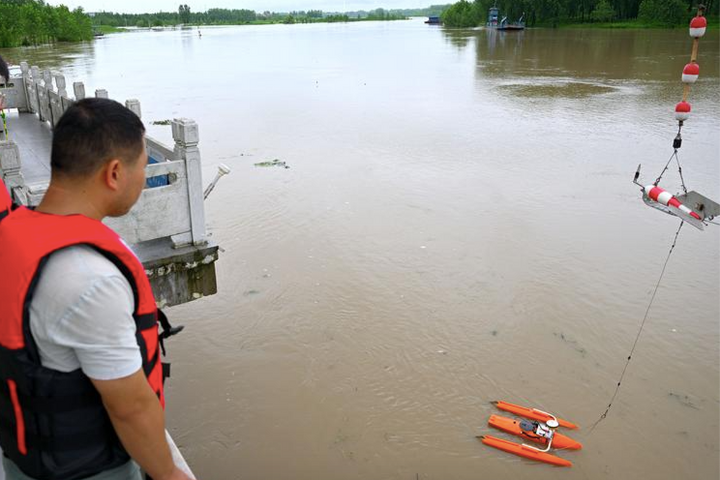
x=81, y=394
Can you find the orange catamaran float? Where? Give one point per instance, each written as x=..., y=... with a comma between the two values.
x=536, y=426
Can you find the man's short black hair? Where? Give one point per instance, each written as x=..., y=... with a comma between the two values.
x=4, y=72
x=90, y=133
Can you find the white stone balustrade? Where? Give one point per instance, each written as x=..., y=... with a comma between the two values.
x=174, y=211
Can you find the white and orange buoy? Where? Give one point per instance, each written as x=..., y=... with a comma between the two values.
x=682, y=111
x=690, y=72
x=697, y=26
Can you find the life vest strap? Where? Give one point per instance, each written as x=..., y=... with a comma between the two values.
x=63, y=443
x=66, y=403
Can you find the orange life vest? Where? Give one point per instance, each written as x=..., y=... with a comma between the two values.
x=53, y=424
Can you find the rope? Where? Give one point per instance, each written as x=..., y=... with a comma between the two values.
x=637, y=338
x=682, y=180
x=674, y=155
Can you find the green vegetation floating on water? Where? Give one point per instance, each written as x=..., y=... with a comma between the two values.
x=33, y=22
x=273, y=163
x=582, y=13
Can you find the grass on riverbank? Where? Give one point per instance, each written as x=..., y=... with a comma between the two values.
x=107, y=29
x=616, y=25
x=713, y=24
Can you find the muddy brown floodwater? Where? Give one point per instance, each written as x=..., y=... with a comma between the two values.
x=458, y=225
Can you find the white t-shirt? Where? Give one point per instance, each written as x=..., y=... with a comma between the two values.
x=81, y=316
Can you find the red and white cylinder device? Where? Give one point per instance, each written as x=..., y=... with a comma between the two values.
x=697, y=26
x=659, y=195
x=690, y=72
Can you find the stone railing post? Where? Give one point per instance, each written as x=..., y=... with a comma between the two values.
x=44, y=110
x=186, y=136
x=10, y=169
x=56, y=98
x=79, y=89
x=134, y=106
x=32, y=86
x=60, y=84
x=25, y=69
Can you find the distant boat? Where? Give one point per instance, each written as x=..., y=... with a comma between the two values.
x=433, y=21
x=503, y=24
x=157, y=29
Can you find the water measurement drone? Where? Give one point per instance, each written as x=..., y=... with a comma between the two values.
x=536, y=426
x=690, y=207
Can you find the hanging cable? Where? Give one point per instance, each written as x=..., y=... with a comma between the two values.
x=657, y=180
x=637, y=338
x=682, y=180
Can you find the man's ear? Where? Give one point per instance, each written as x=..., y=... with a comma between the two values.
x=111, y=174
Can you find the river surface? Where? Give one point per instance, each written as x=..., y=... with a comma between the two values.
x=458, y=225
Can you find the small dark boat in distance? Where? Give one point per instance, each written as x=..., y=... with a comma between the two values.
x=511, y=27
x=433, y=21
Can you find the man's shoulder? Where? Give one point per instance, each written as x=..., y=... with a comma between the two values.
x=70, y=272
x=82, y=260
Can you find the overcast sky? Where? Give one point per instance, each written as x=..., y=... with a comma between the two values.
x=145, y=6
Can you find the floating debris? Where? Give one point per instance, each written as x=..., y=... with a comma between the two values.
x=581, y=350
x=684, y=400
x=160, y=122
x=273, y=163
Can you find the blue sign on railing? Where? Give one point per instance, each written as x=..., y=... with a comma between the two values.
x=157, y=181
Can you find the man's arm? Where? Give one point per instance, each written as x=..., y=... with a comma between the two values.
x=139, y=421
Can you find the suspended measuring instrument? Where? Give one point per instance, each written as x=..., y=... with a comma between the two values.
x=690, y=207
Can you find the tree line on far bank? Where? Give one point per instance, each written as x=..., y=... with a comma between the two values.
x=33, y=22
x=661, y=13
x=223, y=16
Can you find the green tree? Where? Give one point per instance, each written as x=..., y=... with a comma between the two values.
x=603, y=12
x=663, y=12
x=184, y=13
x=461, y=15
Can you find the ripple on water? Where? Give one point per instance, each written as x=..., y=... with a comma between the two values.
x=556, y=89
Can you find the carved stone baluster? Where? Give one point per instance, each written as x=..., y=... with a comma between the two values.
x=186, y=136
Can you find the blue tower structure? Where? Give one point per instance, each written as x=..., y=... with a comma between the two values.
x=493, y=17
